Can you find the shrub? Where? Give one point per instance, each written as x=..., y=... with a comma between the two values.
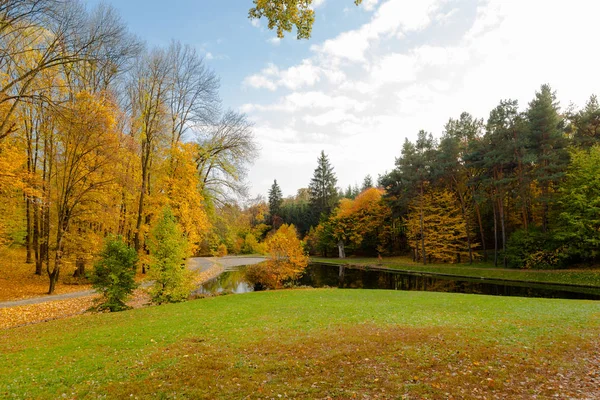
x=114, y=274
x=221, y=250
x=173, y=282
x=532, y=249
x=286, y=259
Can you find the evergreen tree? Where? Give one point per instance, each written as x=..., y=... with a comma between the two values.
x=585, y=124
x=548, y=146
x=367, y=183
x=322, y=190
x=275, y=199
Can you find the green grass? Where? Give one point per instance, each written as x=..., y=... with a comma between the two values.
x=588, y=277
x=311, y=343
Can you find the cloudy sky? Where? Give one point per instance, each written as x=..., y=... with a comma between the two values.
x=374, y=75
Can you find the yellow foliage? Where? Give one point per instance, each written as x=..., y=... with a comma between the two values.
x=444, y=228
x=286, y=259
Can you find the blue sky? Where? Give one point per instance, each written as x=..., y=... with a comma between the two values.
x=374, y=75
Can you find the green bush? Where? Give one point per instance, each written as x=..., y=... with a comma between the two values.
x=114, y=274
x=532, y=249
x=168, y=250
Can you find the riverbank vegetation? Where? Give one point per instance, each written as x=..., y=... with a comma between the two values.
x=314, y=343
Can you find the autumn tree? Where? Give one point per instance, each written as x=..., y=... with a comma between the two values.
x=355, y=220
x=286, y=259
x=437, y=228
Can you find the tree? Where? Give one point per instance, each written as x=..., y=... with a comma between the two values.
x=548, y=146
x=436, y=228
x=275, y=199
x=286, y=259
x=585, y=124
x=322, y=189
x=579, y=200
x=367, y=183
x=114, y=274
x=285, y=14
x=168, y=251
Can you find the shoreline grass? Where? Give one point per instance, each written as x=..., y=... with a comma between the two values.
x=586, y=277
x=312, y=343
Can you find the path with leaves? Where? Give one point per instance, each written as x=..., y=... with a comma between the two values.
x=199, y=264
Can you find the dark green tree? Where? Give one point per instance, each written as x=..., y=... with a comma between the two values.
x=322, y=190
x=585, y=124
x=546, y=130
x=275, y=199
x=367, y=183
x=114, y=274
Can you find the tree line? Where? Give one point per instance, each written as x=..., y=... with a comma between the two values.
x=520, y=188
x=99, y=133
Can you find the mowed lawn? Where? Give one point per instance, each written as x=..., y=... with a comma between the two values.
x=313, y=343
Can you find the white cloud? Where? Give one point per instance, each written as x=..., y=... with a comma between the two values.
x=369, y=5
x=275, y=41
x=363, y=91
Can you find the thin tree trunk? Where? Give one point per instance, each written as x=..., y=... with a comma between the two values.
x=502, y=226
x=495, y=234
x=423, y=229
x=341, y=251
x=29, y=234
x=468, y=226
x=481, y=232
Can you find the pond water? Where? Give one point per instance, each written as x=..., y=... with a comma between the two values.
x=328, y=275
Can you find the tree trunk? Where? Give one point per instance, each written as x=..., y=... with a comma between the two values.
x=79, y=268
x=502, y=227
x=495, y=234
x=481, y=232
x=423, y=229
x=29, y=235
x=341, y=251
x=468, y=227
x=36, y=240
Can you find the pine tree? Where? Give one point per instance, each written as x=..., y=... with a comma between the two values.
x=275, y=199
x=322, y=189
x=367, y=183
x=548, y=145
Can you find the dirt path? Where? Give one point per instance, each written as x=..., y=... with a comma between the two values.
x=195, y=264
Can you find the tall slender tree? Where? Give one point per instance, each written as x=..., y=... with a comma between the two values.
x=322, y=189
x=275, y=200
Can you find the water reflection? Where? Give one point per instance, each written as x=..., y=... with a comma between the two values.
x=327, y=275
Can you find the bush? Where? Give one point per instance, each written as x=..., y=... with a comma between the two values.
x=286, y=259
x=221, y=251
x=168, y=249
x=532, y=249
x=114, y=274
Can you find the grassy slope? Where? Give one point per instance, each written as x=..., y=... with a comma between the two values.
x=588, y=277
x=312, y=344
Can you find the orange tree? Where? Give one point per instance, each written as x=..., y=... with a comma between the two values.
x=286, y=259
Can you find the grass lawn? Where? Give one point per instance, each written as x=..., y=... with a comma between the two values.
x=313, y=343
x=588, y=277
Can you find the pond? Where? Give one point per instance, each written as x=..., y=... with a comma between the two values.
x=328, y=275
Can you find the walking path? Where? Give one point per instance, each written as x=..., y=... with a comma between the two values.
x=195, y=264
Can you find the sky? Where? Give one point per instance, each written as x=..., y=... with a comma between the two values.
x=372, y=76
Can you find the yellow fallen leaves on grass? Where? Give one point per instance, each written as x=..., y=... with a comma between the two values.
x=34, y=313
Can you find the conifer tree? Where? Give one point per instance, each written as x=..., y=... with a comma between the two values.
x=322, y=189
x=367, y=183
x=275, y=199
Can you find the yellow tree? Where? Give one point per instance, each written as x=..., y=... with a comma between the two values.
x=86, y=145
x=356, y=219
x=444, y=231
x=286, y=259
